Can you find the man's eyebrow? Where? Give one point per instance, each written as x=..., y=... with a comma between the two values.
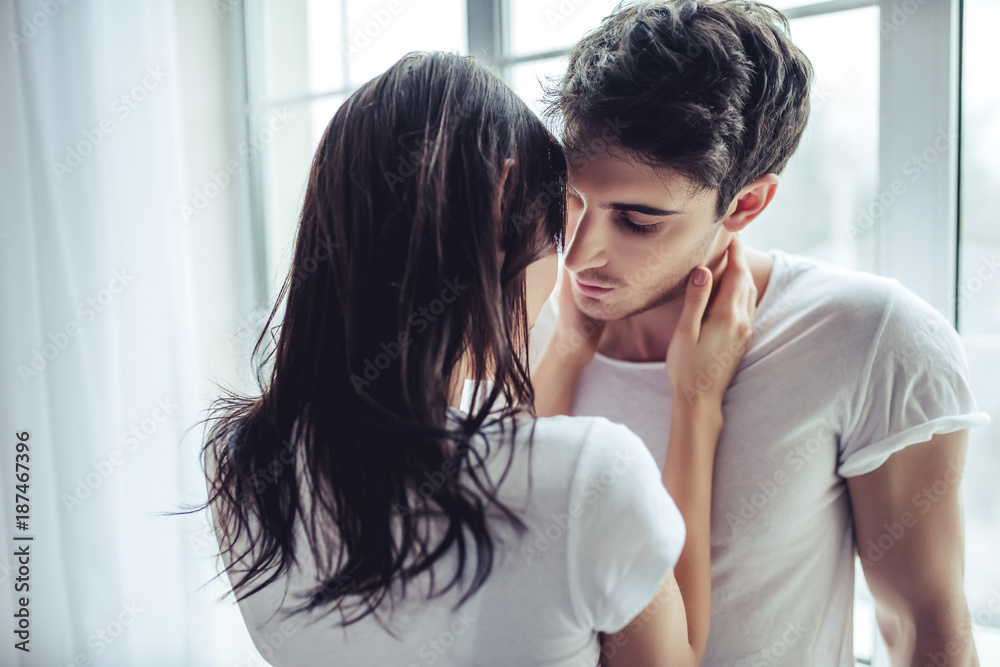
x=630, y=207
x=641, y=208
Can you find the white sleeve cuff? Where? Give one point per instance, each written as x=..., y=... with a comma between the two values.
x=873, y=456
x=649, y=570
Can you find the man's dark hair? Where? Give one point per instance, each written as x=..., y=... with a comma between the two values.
x=716, y=91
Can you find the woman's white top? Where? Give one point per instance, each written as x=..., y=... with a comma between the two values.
x=602, y=536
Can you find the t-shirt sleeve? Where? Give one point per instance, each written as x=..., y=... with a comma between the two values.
x=915, y=385
x=625, y=534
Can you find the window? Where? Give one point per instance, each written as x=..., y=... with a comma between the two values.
x=303, y=58
x=978, y=299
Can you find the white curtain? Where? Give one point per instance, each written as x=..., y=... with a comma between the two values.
x=98, y=358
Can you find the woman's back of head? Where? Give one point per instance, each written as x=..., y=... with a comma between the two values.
x=431, y=191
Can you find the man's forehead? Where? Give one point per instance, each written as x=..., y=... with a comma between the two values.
x=610, y=175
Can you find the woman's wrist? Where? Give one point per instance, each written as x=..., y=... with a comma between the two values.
x=572, y=347
x=697, y=409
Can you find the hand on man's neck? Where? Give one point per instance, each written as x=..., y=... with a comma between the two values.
x=646, y=336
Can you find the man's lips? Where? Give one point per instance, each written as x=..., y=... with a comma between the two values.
x=591, y=290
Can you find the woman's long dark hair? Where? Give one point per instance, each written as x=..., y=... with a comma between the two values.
x=433, y=188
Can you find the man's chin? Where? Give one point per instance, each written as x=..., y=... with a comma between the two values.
x=598, y=310
x=612, y=310
x=606, y=310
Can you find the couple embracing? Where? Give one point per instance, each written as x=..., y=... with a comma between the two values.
x=665, y=449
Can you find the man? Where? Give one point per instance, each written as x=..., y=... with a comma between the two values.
x=846, y=423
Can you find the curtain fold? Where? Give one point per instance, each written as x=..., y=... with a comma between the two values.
x=98, y=351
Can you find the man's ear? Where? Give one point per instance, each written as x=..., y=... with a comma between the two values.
x=750, y=202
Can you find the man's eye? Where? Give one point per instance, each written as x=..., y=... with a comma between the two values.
x=632, y=227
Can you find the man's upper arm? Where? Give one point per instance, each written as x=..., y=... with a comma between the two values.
x=908, y=527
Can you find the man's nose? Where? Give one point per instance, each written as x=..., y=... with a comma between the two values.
x=587, y=249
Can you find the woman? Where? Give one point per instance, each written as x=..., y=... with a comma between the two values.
x=364, y=519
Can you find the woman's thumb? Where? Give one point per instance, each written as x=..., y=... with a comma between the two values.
x=699, y=287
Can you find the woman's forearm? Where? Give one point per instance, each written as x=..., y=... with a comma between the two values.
x=556, y=377
x=687, y=474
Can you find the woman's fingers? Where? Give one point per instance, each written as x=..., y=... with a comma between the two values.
x=699, y=288
x=732, y=297
x=710, y=340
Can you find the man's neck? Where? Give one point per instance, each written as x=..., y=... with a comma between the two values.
x=646, y=336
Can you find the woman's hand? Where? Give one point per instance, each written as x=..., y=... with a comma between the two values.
x=702, y=359
x=578, y=334
x=705, y=351
x=571, y=347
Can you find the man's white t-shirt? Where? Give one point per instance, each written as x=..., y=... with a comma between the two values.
x=843, y=369
x=602, y=536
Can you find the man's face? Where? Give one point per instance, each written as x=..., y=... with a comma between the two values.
x=636, y=231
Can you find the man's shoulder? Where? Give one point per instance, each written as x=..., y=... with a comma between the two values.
x=861, y=306
x=811, y=284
